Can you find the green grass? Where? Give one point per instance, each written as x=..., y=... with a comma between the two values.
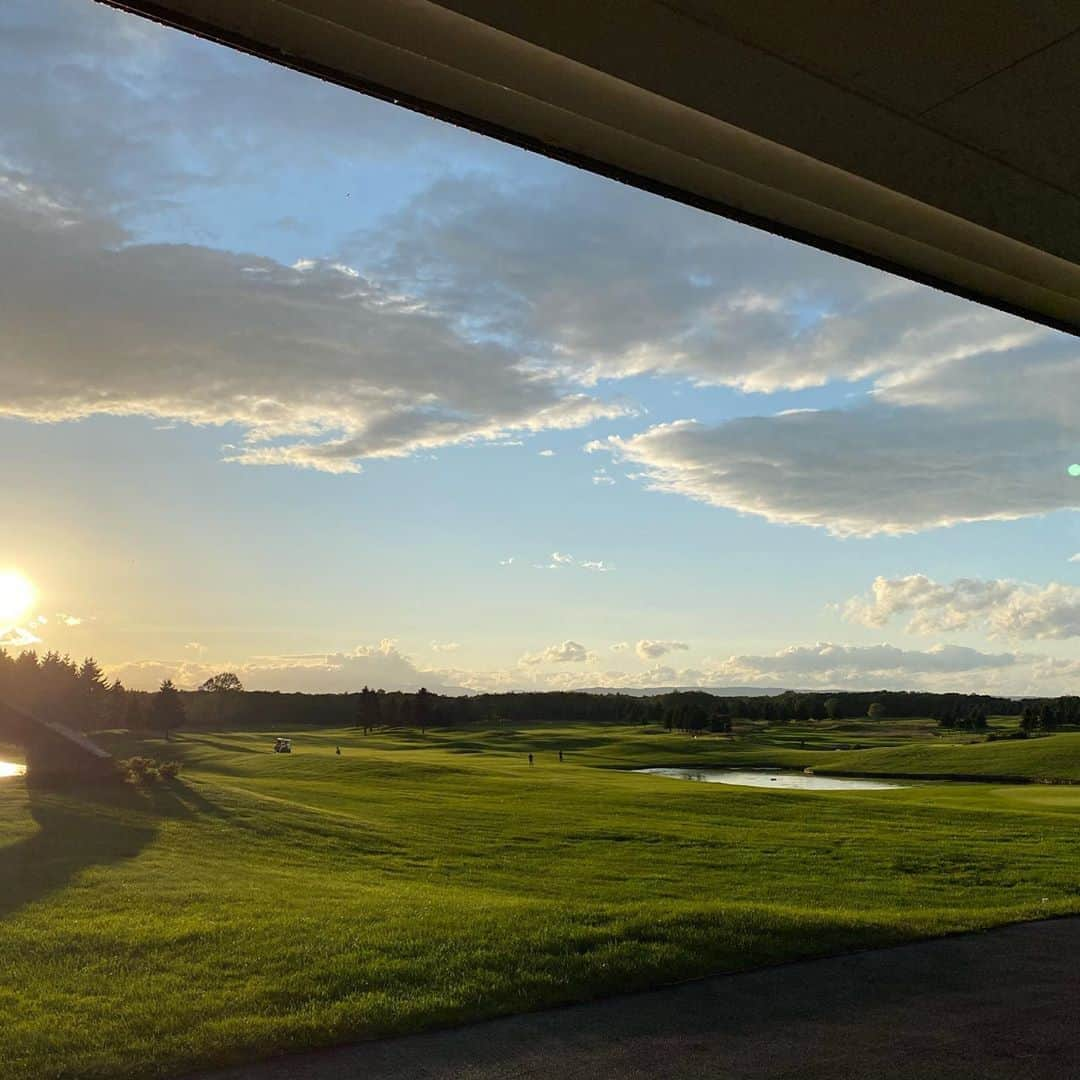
x=273, y=902
x=1053, y=759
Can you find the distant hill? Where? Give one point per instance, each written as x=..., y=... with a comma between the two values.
x=717, y=691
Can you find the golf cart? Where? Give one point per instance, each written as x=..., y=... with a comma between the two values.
x=283, y=746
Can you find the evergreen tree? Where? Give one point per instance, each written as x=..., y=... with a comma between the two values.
x=89, y=711
x=167, y=713
x=116, y=703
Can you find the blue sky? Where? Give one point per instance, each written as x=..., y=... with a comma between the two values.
x=291, y=375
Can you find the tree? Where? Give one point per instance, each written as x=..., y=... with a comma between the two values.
x=167, y=713
x=222, y=687
x=1029, y=719
x=369, y=714
x=422, y=708
x=134, y=720
x=92, y=695
x=221, y=683
x=876, y=710
x=116, y=702
x=833, y=706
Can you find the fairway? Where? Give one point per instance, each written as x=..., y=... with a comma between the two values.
x=271, y=902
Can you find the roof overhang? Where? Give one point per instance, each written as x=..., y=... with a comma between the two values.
x=937, y=141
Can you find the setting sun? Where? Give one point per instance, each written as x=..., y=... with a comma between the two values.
x=16, y=596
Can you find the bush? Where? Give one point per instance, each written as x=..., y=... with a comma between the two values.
x=146, y=770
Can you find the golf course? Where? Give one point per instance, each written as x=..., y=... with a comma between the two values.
x=261, y=903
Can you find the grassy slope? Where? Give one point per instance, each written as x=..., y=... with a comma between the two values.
x=1056, y=758
x=278, y=902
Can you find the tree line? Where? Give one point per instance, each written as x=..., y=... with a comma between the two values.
x=54, y=687
x=80, y=695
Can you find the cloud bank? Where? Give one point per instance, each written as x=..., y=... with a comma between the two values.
x=1001, y=607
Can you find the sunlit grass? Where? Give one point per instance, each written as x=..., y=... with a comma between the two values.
x=274, y=902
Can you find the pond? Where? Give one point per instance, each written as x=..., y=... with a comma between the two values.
x=9, y=768
x=774, y=780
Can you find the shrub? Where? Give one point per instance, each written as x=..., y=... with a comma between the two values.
x=146, y=770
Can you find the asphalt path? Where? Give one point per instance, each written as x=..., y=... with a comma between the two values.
x=999, y=1005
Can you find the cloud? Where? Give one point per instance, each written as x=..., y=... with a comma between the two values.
x=620, y=646
x=857, y=472
x=1001, y=607
x=835, y=665
x=568, y=652
x=560, y=560
x=381, y=666
x=1075, y=558
x=69, y=620
x=124, y=113
x=487, y=308
x=507, y=562
x=319, y=366
x=445, y=646
x=195, y=647
x=17, y=637
x=653, y=650
x=546, y=453
x=602, y=282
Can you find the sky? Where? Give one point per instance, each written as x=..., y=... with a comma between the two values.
x=301, y=385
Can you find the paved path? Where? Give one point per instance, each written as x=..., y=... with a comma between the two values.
x=1004, y=1004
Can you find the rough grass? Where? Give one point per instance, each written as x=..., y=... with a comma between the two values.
x=267, y=902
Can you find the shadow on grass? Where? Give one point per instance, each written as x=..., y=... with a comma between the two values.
x=83, y=827
x=195, y=739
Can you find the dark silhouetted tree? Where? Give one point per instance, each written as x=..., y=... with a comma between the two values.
x=224, y=682
x=167, y=712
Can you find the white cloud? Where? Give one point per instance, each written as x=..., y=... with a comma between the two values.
x=320, y=366
x=1075, y=558
x=195, y=647
x=507, y=562
x=603, y=283
x=546, y=453
x=382, y=666
x=1001, y=607
x=69, y=620
x=828, y=664
x=17, y=637
x=484, y=310
x=870, y=469
x=620, y=646
x=648, y=649
x=560, y=560
x=567, y=652
x=445, y=646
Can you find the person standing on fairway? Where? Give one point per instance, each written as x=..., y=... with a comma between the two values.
x=530, y=760
x=560, y=755
x=338, y=751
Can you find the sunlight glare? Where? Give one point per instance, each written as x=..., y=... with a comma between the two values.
x=16, y=596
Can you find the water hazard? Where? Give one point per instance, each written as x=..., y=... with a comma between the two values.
x=764, y=779
x=9, y=768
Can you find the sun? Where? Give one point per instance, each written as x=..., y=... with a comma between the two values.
x=16, y=595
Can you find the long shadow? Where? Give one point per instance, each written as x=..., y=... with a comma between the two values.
x=77, y=829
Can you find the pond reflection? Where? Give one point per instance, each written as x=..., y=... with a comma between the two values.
x=774, y=780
